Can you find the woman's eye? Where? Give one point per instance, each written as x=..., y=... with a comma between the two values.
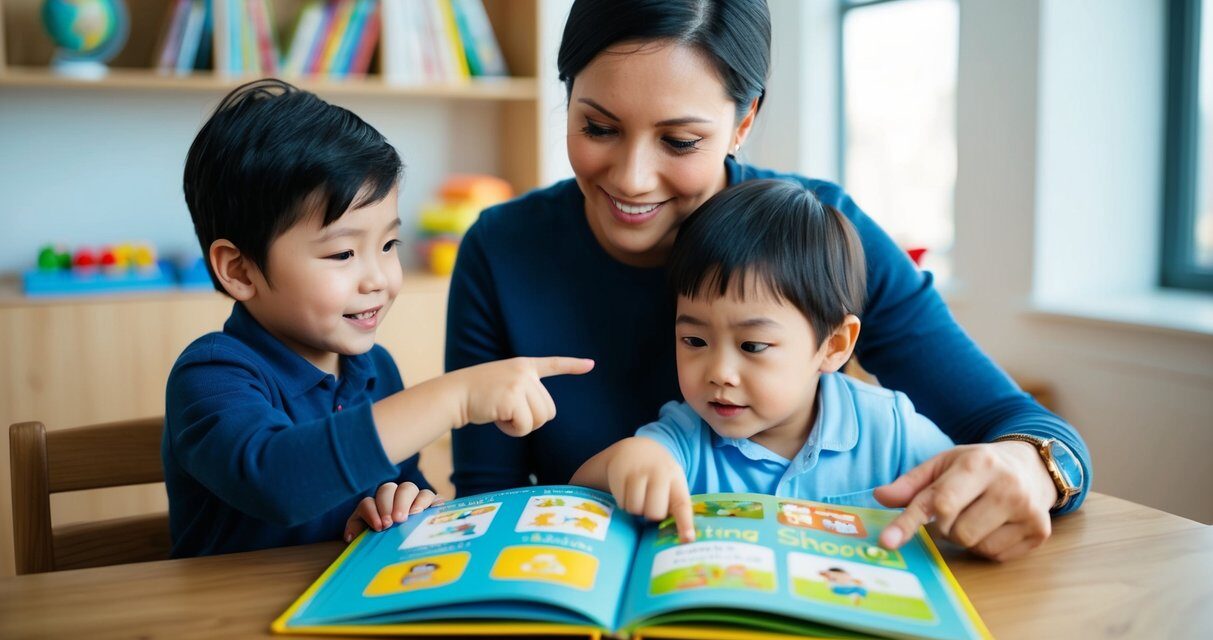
x=754, y=347
x=679, y=145
x=392, y=244
x=344, y=255
x=692, y=341
x=595, y=131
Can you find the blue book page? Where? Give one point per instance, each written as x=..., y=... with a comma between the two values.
x=561, y=553
x=758, y=555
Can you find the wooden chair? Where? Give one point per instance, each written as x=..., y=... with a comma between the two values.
x=106, y=455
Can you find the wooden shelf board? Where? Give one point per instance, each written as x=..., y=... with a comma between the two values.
x=511, y=88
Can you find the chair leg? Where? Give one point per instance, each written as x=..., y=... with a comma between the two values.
x=32, y=543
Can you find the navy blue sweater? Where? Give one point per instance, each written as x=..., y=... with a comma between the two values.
x=262, y=449
x=532, y=280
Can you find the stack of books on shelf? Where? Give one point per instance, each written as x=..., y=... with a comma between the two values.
x=438, y=41
x=336, y=39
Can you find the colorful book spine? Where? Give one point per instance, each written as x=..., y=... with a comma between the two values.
x=170, y=44
x=456, y=56
x=340, y=25
x=480, y=44
x=350, y=39
x=322, y=34
x=191, y=38
x=307, y=29
x=365, y=50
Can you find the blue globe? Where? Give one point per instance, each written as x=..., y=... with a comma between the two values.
x=86, y=30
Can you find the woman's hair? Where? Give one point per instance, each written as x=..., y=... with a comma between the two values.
x=734, y=34
x=774, y=235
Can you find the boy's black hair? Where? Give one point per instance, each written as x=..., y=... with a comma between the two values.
x=271, y=155
x=777, y=233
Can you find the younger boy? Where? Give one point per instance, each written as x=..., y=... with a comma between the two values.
x=277, y=426
x=769, y=286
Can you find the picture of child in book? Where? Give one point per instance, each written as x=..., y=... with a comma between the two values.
x=770, y=286
x=291, y=425
x=844, y=584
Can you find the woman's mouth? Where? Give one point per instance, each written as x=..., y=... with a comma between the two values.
x=633, y=212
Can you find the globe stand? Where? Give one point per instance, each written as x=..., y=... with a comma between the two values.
x=79, y=69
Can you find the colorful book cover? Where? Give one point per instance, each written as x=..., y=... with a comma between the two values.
x=480, y=44
x=316, y=54
x=341, y=25
x=566, y=560
x=361, y=63
x=350, y=39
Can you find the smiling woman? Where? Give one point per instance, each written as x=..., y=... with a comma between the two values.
x=661, y=95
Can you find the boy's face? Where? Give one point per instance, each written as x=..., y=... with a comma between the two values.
x=331, y=286
x=749, y=367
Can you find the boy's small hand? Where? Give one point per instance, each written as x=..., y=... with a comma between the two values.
x=392, y=503
x=510, y=394
x=646, y=481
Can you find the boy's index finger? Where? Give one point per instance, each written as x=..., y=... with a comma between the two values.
x=561, y=365
x=683, y=514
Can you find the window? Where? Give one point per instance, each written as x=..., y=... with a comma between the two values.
x=1187, y=253
x=898, y=142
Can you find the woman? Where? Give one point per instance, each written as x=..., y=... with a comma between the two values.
x=661, y=95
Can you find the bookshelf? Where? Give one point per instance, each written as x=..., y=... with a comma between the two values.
x=26, y=50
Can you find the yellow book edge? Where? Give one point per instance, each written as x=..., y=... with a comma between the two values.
x=279, y=625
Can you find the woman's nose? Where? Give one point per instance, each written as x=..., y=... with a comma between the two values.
x=635, y=171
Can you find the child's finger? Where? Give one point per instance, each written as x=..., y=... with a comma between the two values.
x=368, y=513
x=683, y=512
x=353, y=526
x=383, y=501
x=634, y=494
x=423, y=501
x=405, y=495
x=560, y=365
x=657, y=501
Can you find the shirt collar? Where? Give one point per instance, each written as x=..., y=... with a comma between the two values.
x=296, y=374
x=835, y=429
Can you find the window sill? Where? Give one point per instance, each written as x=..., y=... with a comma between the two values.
x=1165, y=310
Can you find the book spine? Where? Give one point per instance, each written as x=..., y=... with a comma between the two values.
x=170, y=42
x=207, y=42
x=301, y=40
x=341, y=24
x=481, y=39
x=191, y=38
x=350, y=39
x=263, y=35
x=366, y=46
x=456, y=56
x=322, y=34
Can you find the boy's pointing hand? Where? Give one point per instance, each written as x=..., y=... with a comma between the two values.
x=510, y=393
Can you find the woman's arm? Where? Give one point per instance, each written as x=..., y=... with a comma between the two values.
x=484, y=458
x=912, y=343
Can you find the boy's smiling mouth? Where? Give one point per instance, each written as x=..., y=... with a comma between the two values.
x=367, y=319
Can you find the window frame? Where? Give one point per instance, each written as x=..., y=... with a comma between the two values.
x=1178, y=268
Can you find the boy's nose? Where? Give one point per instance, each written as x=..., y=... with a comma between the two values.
x=373, y=278
x=722, y=372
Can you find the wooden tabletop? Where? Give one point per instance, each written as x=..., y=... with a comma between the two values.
x=1115, y=569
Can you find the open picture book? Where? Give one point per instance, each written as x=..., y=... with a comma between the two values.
x=566, y=560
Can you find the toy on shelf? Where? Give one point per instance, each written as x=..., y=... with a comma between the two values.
x=121, y=267
x=442, y=224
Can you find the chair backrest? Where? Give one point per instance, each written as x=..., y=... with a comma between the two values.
x=106, y=455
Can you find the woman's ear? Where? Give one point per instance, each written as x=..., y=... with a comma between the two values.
x=745, y=126
x=234, y=271
x=840, y=344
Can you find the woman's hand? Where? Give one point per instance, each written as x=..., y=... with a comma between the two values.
x=993, y=499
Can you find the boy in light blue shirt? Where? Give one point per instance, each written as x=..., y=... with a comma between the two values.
x=770, y=283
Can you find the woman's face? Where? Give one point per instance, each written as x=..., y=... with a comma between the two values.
x=649, y=127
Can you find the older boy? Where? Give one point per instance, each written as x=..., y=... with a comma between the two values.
x=279, y=425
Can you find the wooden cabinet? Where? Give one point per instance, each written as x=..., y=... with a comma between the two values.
x=75, y=361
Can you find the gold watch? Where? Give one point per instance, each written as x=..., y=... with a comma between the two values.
x=1061, y=463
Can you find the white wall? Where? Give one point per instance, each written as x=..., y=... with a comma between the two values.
x=1059, y=115
x=104, y=165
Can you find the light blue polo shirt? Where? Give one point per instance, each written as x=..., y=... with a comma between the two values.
x=865, y=436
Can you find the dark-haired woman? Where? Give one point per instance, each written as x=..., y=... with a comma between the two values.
x=661, y=95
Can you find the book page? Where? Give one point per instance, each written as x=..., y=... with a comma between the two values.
x=552, y=554
x=768, y=562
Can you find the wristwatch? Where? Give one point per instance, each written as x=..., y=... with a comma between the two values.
x=1061, y=463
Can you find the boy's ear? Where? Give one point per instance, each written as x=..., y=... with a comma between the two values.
x=234, y=271
x=840, y=344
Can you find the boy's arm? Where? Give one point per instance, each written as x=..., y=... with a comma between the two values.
x=645, y=481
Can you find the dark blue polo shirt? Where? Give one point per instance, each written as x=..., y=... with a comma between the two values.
x=262, y=449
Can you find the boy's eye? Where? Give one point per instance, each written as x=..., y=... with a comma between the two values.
x=682, y=146
x=693, y=341
x=344, y=255
x=392, y=244
x=595, y=131
x=754, y=347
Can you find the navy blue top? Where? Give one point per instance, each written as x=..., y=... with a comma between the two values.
x=532, y=280
x=262, y=449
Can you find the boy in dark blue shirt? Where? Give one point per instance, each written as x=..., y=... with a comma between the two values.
x=288, y=421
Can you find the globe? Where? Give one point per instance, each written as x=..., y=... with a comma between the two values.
x=88, y=32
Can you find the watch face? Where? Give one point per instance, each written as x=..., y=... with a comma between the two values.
x=1067, y=464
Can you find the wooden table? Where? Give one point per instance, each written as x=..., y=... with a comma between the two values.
x=1114, y=569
